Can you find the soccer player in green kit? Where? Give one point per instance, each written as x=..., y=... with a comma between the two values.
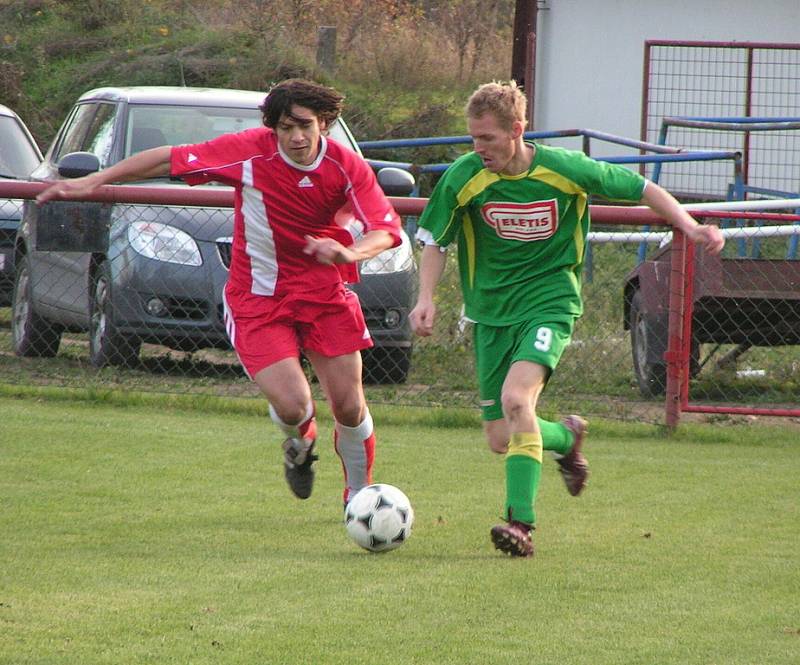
x=519, y=213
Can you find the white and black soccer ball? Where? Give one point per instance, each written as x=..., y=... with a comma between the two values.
x=379, y=518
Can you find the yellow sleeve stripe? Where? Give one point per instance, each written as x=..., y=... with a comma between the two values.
x=475, y=185
x=527, y=444
x=564, y=184
x=568, y=187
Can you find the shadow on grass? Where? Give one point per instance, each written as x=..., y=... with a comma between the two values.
x=190, y=367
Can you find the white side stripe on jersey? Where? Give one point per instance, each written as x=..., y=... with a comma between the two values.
x=259, y=242
x=247, y=173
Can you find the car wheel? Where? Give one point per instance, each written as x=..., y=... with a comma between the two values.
x=650, y=376
x=32, y=335
x=107, y=346
x=648, y=340
x=386, y=365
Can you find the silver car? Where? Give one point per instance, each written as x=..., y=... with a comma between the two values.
x=19, y=156
x=134, y=273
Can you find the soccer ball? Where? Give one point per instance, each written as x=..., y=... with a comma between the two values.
x=379, y=518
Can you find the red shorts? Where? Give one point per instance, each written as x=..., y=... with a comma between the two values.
x=266, y=329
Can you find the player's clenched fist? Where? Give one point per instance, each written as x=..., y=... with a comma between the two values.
x=328, y=250
x=422, y=318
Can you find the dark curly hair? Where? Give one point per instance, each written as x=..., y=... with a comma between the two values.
x=326, y=103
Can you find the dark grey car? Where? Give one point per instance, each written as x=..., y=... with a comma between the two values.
x=19, y=156
x=133, y=273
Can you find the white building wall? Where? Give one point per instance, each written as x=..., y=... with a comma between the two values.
x=590, y=53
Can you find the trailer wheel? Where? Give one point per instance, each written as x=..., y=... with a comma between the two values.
x=646, y=337
x=648, y=344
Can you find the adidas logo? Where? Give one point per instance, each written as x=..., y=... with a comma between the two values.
x=305, y=182
x=191, y=158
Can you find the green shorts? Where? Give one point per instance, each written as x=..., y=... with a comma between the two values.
x=540, y=341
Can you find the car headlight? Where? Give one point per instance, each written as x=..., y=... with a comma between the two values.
x=396, y=259
x=164, y=243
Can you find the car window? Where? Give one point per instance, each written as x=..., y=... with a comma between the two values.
x=100, y=136
x=76, y=130
x=152, y=125
x=339, y=132
x=17, y=157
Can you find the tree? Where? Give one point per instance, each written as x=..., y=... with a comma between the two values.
x=468, y=23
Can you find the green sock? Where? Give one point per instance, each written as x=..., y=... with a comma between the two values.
x=555, y=437
x=523, y=472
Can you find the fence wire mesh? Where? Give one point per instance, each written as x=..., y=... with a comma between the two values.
x=746, y=323
x=714, y=80
x=145, y=314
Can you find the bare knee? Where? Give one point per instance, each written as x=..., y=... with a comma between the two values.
x=515, y=404
x=291, y=411
x=348, y=410
x=286, y=389
x=498, y=445
x=292, y=406
x=340, y=377
x=496, y=432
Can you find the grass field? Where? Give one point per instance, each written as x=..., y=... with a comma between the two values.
x=157, y=535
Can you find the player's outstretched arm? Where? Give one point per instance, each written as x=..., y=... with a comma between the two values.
x=660, y=201
x=432, y=265
x=146, y=164
x=330, y=250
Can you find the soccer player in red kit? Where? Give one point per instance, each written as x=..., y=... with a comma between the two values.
x=285, y=293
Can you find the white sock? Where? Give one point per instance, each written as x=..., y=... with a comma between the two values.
x=353, y=448
x=291, y=430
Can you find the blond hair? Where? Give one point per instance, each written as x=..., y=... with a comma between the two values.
x=505, y=101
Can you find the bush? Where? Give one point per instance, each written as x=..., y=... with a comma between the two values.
x=396, y=63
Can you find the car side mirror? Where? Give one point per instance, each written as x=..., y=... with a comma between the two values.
x=396, y=182
x=78, y=164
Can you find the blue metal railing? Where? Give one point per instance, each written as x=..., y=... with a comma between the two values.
x=664, y=153
x=738, y=189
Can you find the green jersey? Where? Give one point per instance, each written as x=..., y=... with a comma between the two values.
x=521, y=239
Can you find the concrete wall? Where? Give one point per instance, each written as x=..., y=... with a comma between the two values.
x=590, y=53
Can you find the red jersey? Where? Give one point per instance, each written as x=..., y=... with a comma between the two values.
x=278, y=202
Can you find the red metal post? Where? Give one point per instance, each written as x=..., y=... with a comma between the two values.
x=792, y=46
x=748, y=111
x=525, y=12
x=523, y=53
x=673, y=356
x=530, y=84
x=645, y=100
x=688, y=311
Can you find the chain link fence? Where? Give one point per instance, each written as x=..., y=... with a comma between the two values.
x=139, y=287
x=745, y=319
x=723, y=80
x=141, y=309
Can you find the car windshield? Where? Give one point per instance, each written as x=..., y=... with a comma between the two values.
x=151, y=125
x=17, y=156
